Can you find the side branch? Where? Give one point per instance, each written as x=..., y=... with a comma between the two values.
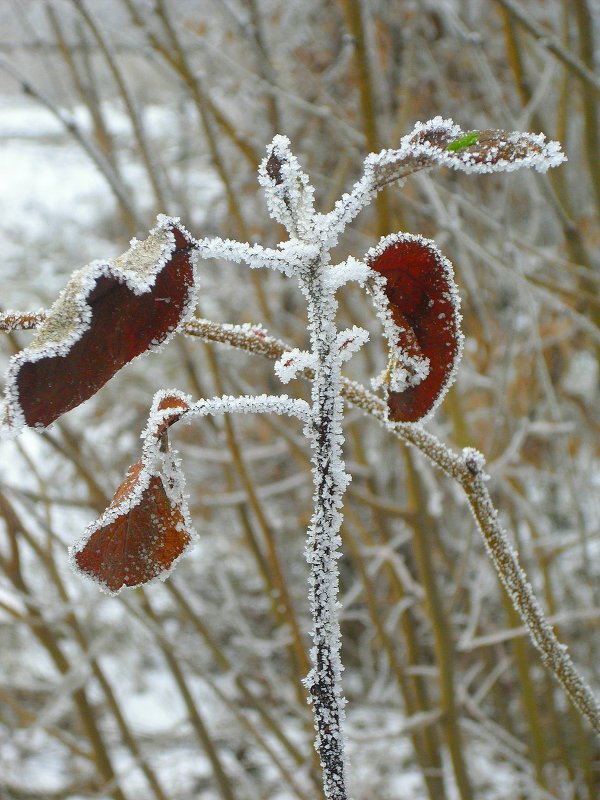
x=465, y=468
x=21, y=320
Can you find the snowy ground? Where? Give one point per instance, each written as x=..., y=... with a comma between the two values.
x=55, y=203
x=53, y=206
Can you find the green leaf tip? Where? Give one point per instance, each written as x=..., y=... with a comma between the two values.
x=465, y=141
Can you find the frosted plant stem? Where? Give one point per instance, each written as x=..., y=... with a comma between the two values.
x=467, y=471
x=553, y=653
x=323, y=680
x=254, y=339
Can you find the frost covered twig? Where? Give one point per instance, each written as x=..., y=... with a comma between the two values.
x=254, y=339
x=21, y=320
x=467, y=470
x=417, y=300
x=440, y=142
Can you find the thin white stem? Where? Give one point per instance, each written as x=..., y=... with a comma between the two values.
x=286, y=258
x=227, y=404
x=322, y=550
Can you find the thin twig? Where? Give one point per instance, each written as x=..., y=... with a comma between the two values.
x=119, y=190
x=552, y=45
x=468, y=470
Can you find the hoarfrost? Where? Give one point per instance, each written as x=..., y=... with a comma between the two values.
x=287, y=189
x=350, y=341
x=72, y=316
x=290, y=199
x=285, y=260
x=171, y=405
x=350, y=270
x=293, y=362
x=438, y=143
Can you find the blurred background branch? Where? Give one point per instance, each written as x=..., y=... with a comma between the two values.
x=111, y=112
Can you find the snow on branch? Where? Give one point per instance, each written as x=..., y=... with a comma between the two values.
x=286, y=259
x=441, y=142
x=289, y=195
x=166, y=400
x=293, y=362
x=21, y=320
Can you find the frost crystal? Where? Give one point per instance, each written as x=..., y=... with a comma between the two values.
x=287, y=189
x=108, y=314
x=146, y=528
x=293, y=362
x=350, y=341
x=418, y=303
x=350, y=270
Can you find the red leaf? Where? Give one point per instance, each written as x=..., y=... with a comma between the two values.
x=423, y=301
x=179, y=407
x=139, y=537
x=107, y=315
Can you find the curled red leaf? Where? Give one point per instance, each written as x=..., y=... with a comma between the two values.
x=107, y=315
x=176, y=404
x=423, y=307
x=140, y=536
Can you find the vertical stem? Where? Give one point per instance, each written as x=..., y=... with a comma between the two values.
x=323, y=680
x=528, y=696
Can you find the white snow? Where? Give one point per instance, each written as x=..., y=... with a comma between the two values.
x=306, y=257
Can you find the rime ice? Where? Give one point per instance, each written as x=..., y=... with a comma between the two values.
x=425, y=344
x=108, y=314
x=417, y=299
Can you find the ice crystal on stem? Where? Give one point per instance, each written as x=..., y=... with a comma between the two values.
x=146, y=528
x=287, y=189
x=322, y=549
x=440, y=142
